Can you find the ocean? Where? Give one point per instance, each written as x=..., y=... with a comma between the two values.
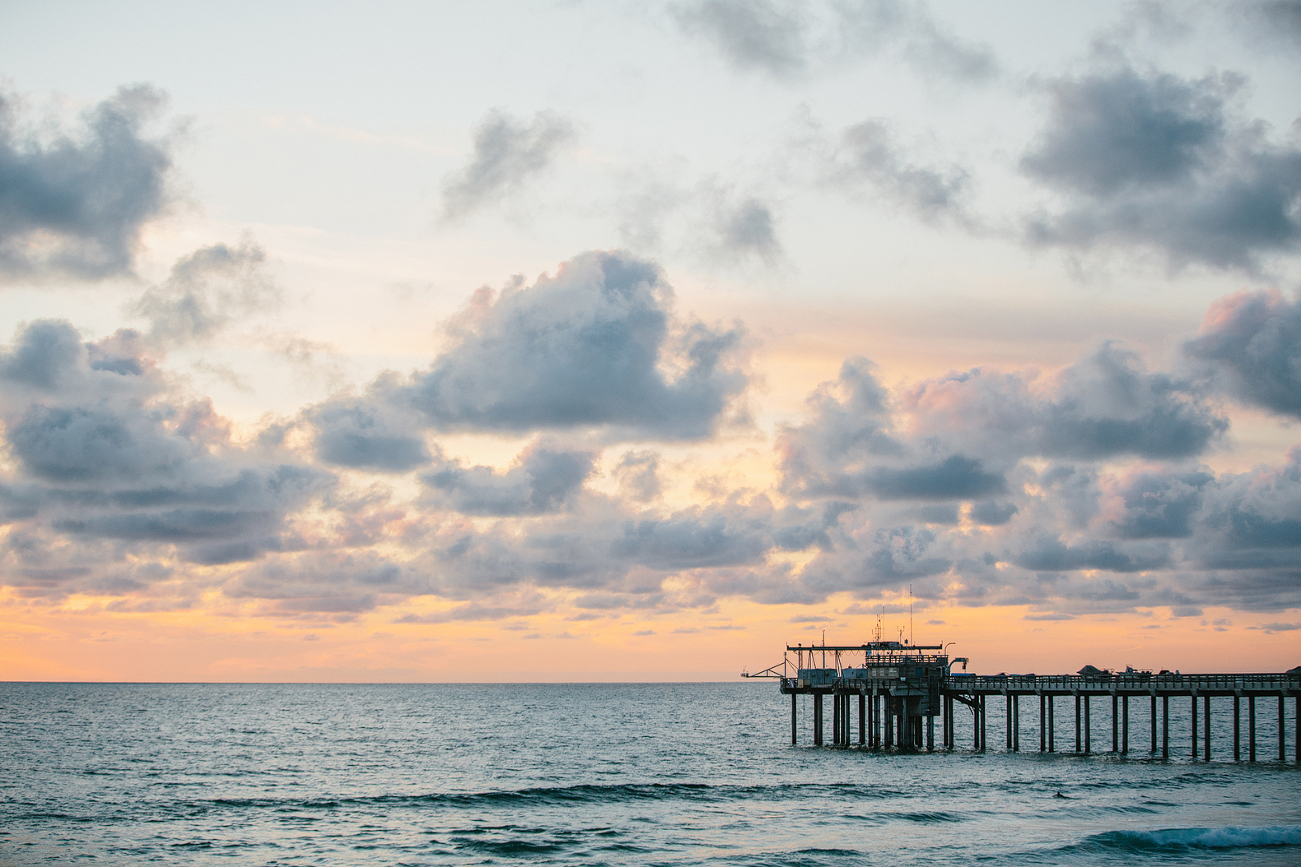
x=592, y=774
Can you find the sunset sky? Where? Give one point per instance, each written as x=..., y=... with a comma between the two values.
x=631, y=341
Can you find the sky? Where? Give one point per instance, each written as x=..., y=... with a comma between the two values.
x=634, y=341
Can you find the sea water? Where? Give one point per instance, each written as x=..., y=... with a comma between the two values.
x=645, y=774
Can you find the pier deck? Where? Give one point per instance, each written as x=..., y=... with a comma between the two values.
x=903, y=689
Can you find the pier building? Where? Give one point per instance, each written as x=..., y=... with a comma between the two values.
x=902, y=691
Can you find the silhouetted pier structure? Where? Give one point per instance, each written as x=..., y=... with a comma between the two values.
x=902, y=689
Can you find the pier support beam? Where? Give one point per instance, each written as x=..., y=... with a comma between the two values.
x=863, y=719
x=817, y=719
x=1016, y=723
x=1043, y=725
x=1077, y=722
x=1124, y=725
x=1115, y=723
x=1165, y=726
x=930, y=733
x=794, y=728
x=1251, y=728
x=1206, y=734
x=1193, y=713
x=836, y=721
x=983, y=742
x=1282, y=731
x=1237, y=728
x=1153, y=750
x=1088, y=746
x=1009, y=699
x=1052, y=734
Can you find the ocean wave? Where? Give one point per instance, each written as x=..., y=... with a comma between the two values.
x=562, y=795
x=1174, y=839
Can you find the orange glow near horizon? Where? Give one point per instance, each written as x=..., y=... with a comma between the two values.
x=84, y=642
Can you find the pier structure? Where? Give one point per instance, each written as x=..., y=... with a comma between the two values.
x=901, y=691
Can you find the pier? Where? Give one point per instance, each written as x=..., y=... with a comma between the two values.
x=904, y=691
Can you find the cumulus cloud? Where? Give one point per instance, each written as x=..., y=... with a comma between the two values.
x=73, y=204
x=594, y=346
x=1157, y=162
x=206, y=291
x=785, y=39
x=543, y=478
x=1253, y=341
x=507, y=154
x=953, y=438
x=106, y=457
x=367, y=434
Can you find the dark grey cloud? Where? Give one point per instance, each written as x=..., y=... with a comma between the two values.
x=205, y=292
x=367, y=434
x=1160, y=506
x=1271, y=22
x=73, y=204
x=589, y=347
x=993, y=513
x=787, y=39
x=1157, y=162
x=1253, y=341
x=1050, y=554
x=868, y=154
x=543, y=479
x=507, y=154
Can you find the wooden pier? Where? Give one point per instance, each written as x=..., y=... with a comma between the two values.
x=901, y=691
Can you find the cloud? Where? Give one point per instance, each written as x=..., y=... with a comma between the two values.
x=868, y=154
x=595, y=346
x=109, y=469
x=507, y=155
x=367, y=434
x=744, y=229
x=1253, y=340
x=1157, y=162
x=73, y=205
x=952, y=438
x=205, y=292
x=752, y=35
x=543, y=479
x=638, y=475
x=788, y=39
